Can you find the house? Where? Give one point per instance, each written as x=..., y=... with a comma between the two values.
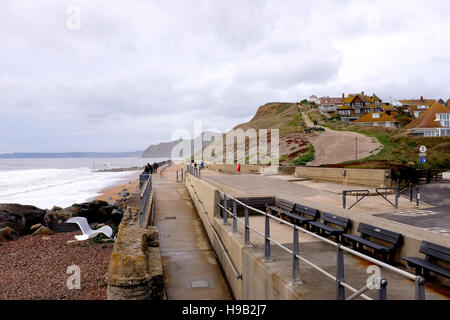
x=389, y=110
x=377, y=119
x=356, y=105
x=313, y=99
x=329, y=105
x=433, y=122
x=416, y=107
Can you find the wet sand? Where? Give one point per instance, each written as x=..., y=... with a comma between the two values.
x=111, y=193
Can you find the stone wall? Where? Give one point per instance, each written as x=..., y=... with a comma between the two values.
x=135, y=269
x=362, y=177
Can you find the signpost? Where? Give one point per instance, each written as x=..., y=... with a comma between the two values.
x=423, y=154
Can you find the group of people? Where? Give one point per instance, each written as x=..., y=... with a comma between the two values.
x=151, y=168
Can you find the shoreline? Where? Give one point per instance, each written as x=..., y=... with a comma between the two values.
x=111, y=193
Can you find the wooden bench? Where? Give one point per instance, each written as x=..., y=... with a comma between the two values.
x=332, y=224
x=432, y=252
x=254, y=202
x=392, y=240
x=303, y=215
x=282, y=206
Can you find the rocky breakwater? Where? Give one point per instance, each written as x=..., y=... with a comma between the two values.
x=135, y=269
x=19, y=220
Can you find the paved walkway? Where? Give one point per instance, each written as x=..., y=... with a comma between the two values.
x=190, y=268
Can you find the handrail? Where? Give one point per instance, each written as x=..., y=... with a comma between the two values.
x=340, y=282
x=144, y=198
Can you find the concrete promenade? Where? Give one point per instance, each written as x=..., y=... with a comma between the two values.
x=271, y=280
x=190, y=268
x=327, y=196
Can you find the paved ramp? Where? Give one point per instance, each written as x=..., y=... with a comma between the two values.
x=190, y=268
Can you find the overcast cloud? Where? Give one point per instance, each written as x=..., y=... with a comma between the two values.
x=137, y=70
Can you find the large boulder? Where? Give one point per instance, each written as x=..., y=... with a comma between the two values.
x=17, y=227
x=7, y=234
x=95, y=211
x=43, y=231
x=30, y=214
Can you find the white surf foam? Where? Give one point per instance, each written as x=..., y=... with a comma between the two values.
x=46, y=188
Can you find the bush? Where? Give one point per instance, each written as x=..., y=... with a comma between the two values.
x=307, y=157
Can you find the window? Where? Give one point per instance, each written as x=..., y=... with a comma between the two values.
x=375, y=116
x=387, y=124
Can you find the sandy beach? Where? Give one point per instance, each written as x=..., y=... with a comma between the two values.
x=111, y=193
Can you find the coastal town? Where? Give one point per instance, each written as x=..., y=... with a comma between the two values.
x=421, y=117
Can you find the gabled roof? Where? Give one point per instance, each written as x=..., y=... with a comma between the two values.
x=386, y=107
x=416, y=102
x=427, y=119
x=364, y=98
x=368, y=117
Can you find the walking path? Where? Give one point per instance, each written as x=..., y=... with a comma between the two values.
x=333, y=146
x=190, y=268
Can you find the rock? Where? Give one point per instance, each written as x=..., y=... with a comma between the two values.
x=56, y=208
x=30, y=214
x=45, y=238
x=17, y=227
x=109, y=198
x=43, y=231
x=124, y=189
x=7, y=234
x=36, y=226
x=75, y=242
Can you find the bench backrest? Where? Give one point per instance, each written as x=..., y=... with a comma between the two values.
x=432, y=250
x=284, y=204
x=336, y=220
x=367, y=230
x=255, y=202
x=306, y=211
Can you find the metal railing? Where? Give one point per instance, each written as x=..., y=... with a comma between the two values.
x=341, y=285
x=195, y=171
x=385, y=195
x=144, y=199
x=358, y=193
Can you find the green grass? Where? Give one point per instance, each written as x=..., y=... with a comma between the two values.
x=305, y=158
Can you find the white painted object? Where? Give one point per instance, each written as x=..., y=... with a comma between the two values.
x=446, y=175
x=88, y=233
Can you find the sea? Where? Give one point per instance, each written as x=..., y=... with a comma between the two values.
x=61, y=182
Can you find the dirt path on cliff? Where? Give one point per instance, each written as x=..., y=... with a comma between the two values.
x=333, y=146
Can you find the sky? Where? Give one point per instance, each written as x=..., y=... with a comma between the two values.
x=121, y=75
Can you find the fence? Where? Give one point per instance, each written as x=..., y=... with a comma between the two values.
x=144, y=199
x=195, y=171
x=361, y=194
x=341, y=285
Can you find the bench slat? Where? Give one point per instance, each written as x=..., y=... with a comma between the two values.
x=379, y=233
x=368, y=243
x=428, y=265
x=435, y=251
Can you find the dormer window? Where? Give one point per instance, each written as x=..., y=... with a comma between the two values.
x=375, y=116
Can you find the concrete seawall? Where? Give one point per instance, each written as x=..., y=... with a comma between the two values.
x=363, y=177
x=263, y=281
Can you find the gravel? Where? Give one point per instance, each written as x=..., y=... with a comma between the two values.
x=35, y=268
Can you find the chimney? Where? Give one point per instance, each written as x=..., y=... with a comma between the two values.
x=343, y=96
x=421, y=98
x=362, y=93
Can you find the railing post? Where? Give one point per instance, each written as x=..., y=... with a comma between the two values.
x=267, y=240
x=182, y=174
x=344, y=199
x=340, y=289
x=382, y=292
x=420, y=288
x=247, y=229
x=234, y=216
x=295, y=262
x=199, y=173
x=417, y=195
x=396, y=197
x=177, y=176
x=225, y=212
x=410, y=192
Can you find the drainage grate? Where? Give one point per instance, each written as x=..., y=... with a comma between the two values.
x=200, y=284
x=170, y=218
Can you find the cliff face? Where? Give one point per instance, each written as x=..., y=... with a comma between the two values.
x=164, y=149
x=161, y=150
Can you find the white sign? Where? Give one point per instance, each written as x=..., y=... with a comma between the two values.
x=423, y=149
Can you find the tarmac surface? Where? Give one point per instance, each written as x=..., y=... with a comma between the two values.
x=190, y=268
x=435, y=218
